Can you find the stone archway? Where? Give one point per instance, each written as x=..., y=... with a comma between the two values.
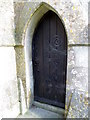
x=43, y=8
x=27, y=16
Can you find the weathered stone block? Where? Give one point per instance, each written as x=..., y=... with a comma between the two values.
x=21, y=74
x=23, y=11
x=78, y=56
x=79, y=106
x=20, y=62
x=9, y=103
x=78, y=68
x=6, y=23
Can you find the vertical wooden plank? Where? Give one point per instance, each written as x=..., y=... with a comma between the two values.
x=46, y=53
x=62, y=48
x=38, y=58
x=53, y=55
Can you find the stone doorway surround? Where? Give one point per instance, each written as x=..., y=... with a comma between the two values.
x=28, y=46
x=27, y=15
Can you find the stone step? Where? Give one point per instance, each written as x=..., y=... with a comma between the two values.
x=36, y=112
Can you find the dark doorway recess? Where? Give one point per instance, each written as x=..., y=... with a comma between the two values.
x=49, y=57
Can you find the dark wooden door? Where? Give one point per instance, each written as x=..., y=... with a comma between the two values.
x=49, y=56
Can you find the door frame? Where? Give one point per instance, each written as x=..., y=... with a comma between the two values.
x=31, y=25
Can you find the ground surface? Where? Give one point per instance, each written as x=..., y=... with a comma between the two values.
x=36, y=112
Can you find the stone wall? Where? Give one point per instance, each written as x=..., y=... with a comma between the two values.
x=19, y=17
x=9, y=102
x=75, y=19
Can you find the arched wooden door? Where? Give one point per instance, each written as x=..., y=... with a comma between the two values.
x=49, y=56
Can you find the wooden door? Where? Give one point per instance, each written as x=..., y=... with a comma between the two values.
x=49, y=56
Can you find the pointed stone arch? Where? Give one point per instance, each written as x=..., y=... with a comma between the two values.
x=27, y=40
x=27, y=15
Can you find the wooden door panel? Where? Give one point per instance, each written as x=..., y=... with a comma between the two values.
x=49, y=51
